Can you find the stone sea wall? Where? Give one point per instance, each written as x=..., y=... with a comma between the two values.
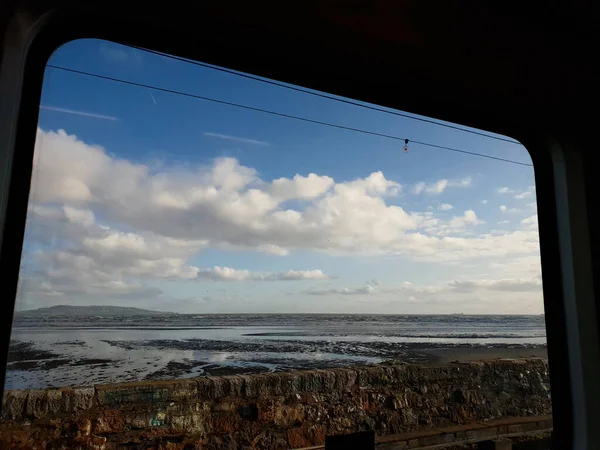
x=270, y=411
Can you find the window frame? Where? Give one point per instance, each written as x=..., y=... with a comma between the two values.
x=560, y=162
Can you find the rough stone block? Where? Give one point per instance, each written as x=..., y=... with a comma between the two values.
x=13, y=405
x=305, y=436
x=220, y=386
x=236, y=386
x=311, y=381
x=109, y=422
x=327, y=380
x=252, y=386
x=191, y=424
x=155, y=392
x=206, y=388
x=286, y=416
x=43, y=403
x=271, y=385
x=228, y=407
x=290, y=383
x=265, y=385
x=84, y=427
x=37, y=404
x=273, y=410
x=77, y=399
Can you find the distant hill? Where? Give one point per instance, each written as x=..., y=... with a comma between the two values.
x=67, y=310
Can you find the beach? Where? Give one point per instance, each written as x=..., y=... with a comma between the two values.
x=63, y=351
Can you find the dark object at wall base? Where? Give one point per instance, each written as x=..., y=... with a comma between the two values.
x=363, y=440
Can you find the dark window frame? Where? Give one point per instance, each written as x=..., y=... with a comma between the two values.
x=561, y=163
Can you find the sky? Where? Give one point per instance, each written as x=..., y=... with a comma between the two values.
x=148, y=199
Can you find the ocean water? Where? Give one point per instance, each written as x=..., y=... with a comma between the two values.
x=60, y=351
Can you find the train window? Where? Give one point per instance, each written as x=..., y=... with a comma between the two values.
x=187, y=222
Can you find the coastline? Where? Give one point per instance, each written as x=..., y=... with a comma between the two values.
x=33, y=367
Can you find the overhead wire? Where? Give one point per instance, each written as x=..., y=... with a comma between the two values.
x=322, y=95
x=280, y=114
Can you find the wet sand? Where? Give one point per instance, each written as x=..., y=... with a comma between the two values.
x=449, y=355
x=243, y=358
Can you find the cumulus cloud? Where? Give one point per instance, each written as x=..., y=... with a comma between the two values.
x=440, y=186
x=457, y=225
x=300, y=187
x=100, y=258
x=227, y=205
x=445, y=207
x=468, y=218
x=100, y=222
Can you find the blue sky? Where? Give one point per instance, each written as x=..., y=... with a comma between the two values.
x=171, y=203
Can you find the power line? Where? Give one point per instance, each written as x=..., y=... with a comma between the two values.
x=279, y=114
x=318, y=94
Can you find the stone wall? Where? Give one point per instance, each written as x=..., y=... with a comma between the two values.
x=269, y=411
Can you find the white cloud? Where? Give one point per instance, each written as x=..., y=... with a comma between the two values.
x=484, y=202
x=445, y=207
x=517, y=267
x=243, y=140
x=503, y=222
x=534, y=284
x=99, y=260
x=530, y=223
x=522, y=195
x=360, y=290
x=504, y=295
x=374, y=185
x=505, y=190
x=433, y=188
x=525, y=194
x=468, y=218
x=300, y=187
x=506, y=209
x=463, y=182
x=228, y=274
x=99, y=222
x=227, y=205
x=457, y=225
x=440, y=186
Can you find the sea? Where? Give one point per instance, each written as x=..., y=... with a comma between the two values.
x=84, y=350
